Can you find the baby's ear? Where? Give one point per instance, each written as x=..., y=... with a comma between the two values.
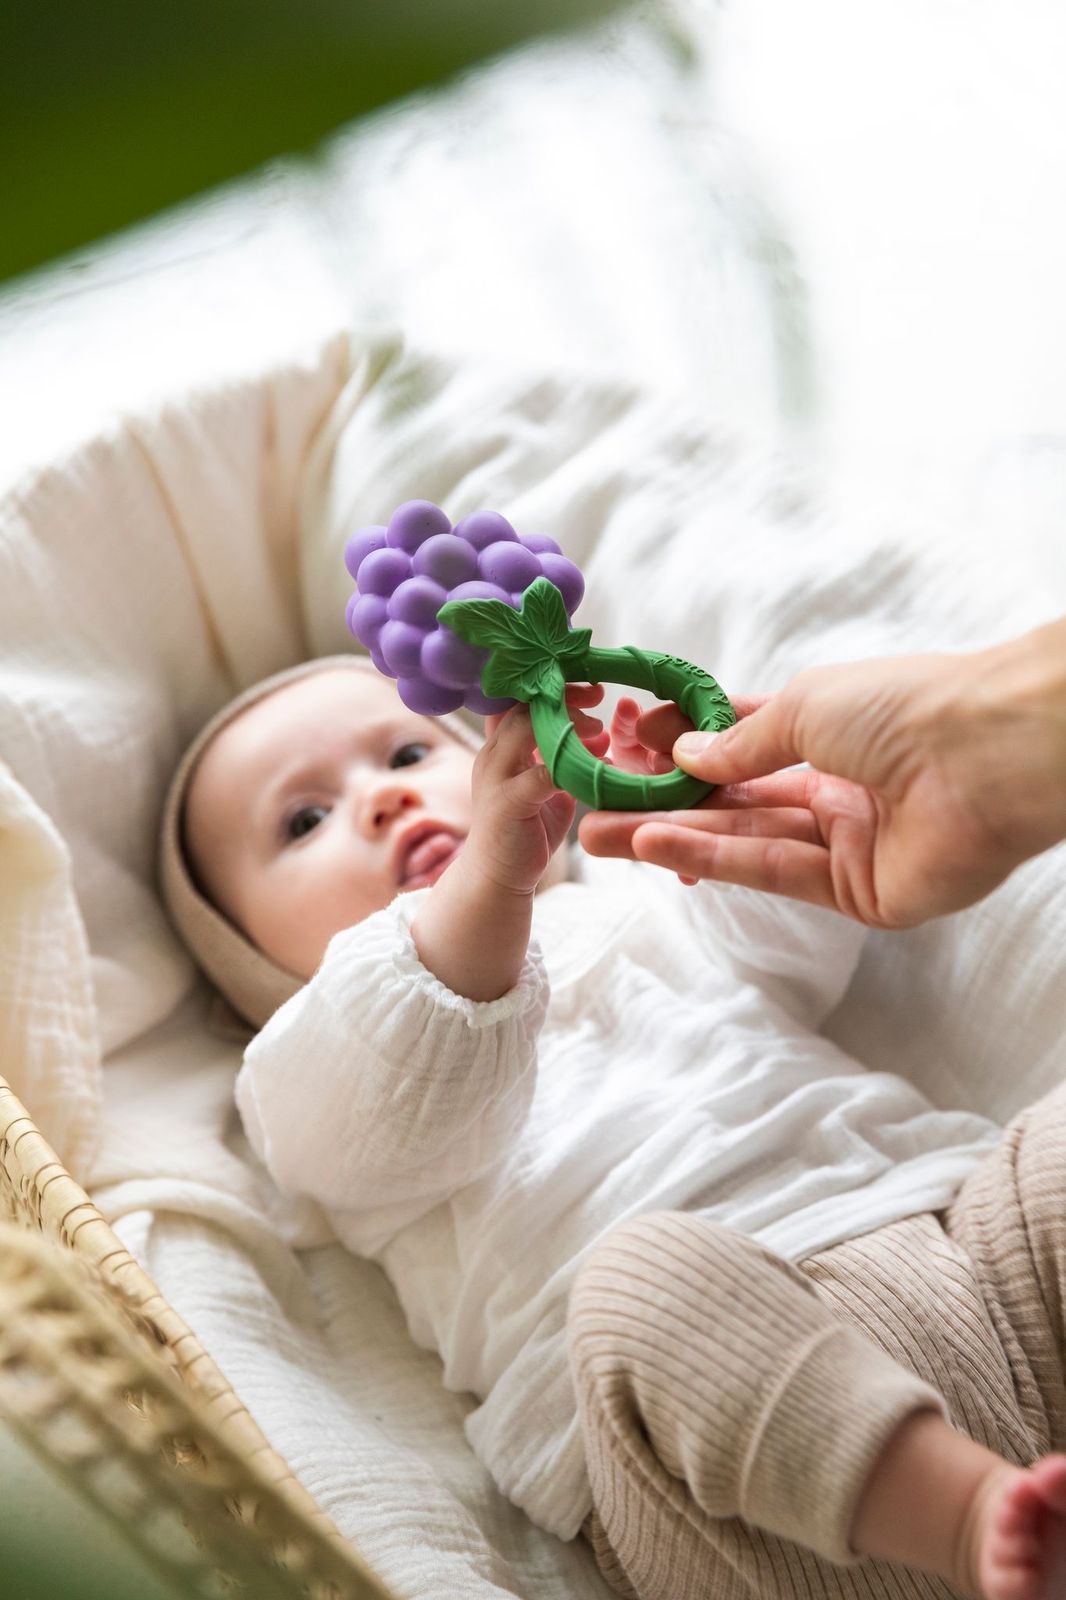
x=226, y=1024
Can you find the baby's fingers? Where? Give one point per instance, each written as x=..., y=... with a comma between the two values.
x=628, y=751
x=514, y=746
x=590, y=730
x=528, y=792
x=583, y=694
x=660, y=728
x=509, y=744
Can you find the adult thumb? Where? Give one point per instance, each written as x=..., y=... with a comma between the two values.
x=757, y=744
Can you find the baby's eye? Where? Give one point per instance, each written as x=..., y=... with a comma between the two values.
x=408, y=754
x=301, y=822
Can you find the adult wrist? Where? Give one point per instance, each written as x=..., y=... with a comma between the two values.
x=1035, y=670
x=1016, y=708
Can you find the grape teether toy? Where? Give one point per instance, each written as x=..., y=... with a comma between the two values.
x=479, y=616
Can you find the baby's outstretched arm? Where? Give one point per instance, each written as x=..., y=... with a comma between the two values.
x=473, y=930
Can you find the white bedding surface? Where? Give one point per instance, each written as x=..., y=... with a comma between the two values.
x=602, y=337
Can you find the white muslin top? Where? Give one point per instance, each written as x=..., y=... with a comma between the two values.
x=477, y=1150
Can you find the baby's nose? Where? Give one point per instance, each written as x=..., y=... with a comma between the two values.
x=386, y=802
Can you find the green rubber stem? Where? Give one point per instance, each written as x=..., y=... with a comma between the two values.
x=591, y=780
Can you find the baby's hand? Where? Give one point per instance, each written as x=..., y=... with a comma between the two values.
x=641, y=741
x=519, y=817
x=473, y=929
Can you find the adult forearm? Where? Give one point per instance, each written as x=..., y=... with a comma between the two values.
x=472, y=935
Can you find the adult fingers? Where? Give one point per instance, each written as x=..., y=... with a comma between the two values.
x=662, y=726
x=612, y=832
x=796, y=786
x=775, y=822
x=790, y=795
x=776, y=866
x=759, y=743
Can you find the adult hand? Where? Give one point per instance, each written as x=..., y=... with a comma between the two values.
x=933, y=777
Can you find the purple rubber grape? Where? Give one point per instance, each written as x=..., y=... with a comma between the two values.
x=509, y=565
x=446, y=559
x=566, y=578
x=382, y=665
x=428, y=699
x=417, y=601
x=360, y=544
x=406, y=572
x=482, y=528
x=413, y=523
x=479, y=590
x=401, y=646
x=450, y=662
x=382, y=571
x=539, y=543
x=484, y=704
x=369, y=615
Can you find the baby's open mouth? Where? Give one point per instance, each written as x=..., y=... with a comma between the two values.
x=428, y=857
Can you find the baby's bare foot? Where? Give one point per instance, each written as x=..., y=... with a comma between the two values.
x=1019, y=1534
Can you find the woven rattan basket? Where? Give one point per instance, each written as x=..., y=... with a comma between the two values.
x=103, y=1379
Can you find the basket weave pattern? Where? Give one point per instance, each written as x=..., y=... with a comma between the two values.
x=103, y=1378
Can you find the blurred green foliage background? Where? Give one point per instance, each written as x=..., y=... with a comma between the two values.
x=111, y=110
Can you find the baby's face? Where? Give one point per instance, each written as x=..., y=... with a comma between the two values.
x=318, y=805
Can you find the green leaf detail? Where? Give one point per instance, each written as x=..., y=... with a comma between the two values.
x=483, y=622
x=530, y=648
x=542, y=607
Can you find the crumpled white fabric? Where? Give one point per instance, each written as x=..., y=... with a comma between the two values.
x=659, y=1051
x=49, y=1044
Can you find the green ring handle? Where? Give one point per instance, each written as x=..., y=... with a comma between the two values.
x=603, y=787
x=534, y=653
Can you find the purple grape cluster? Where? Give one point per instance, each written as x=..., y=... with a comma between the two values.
x=407, y=571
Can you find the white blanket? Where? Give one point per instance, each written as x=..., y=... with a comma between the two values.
x=604, y=337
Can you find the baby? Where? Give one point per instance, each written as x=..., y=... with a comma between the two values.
x=571, y=1108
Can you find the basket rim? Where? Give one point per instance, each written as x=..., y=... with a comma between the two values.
x=44, y=1198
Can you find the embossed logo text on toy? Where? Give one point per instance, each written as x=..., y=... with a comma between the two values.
x=679, y=661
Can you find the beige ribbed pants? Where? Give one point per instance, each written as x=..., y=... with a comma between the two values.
x=732, y=1406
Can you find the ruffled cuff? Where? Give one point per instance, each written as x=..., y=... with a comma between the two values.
x=850, y=1397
